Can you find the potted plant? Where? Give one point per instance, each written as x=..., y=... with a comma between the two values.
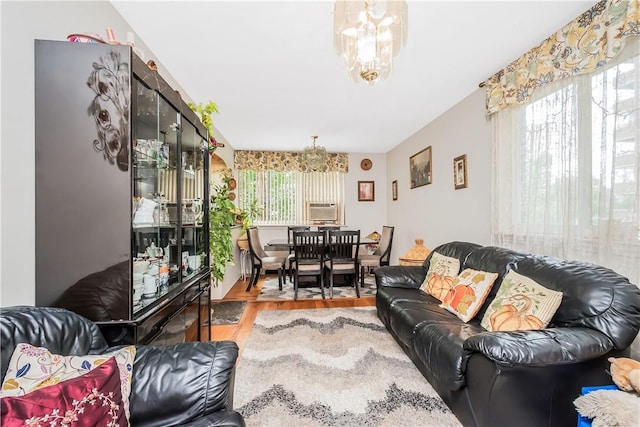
x=205, y=111
x=247, y=217
x=221, y=218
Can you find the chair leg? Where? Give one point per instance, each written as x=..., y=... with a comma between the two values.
x=280, y=274
x=322, y=285
x=362, y=275
x=355, y=282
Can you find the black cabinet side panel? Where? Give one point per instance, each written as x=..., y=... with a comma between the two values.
x=83, y=165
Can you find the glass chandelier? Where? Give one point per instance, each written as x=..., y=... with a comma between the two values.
x=314, y=156
x=369, y=34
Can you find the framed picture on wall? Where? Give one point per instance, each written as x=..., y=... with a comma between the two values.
x=460, y=172
x=366, y=191
x=394, y=190
x=420, y=168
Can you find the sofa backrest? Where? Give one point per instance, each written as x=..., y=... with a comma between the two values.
x=58, y=330
x=458, y=250
x=592, y=296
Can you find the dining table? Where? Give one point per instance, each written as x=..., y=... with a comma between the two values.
x=285, y=245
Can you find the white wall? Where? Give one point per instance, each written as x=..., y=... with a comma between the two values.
x=22, y=23
x=437, y=212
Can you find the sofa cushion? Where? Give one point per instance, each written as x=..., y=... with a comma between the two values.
x=407, y=316
x=521, y=304
x=440, y=276
x=593, y=296
x=439, y=345
x=468, y=293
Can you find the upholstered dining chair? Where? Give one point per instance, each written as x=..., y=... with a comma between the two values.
x=381, y=255
x=309, y=252
x=291, y=257
x=342, y=256
x=260, y=260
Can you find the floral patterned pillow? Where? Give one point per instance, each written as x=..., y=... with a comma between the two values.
x=32, y=368
x=521, y=304
x=468, y=292
x=93, y=399
x=442, y=272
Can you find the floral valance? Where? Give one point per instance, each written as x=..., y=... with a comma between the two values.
x=286, y=161
x=586, y=43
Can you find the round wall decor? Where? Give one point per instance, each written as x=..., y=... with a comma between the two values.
x=232, y=184
x=366, y=164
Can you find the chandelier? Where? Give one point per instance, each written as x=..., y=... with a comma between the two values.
x=314, y=156
x=369, y=34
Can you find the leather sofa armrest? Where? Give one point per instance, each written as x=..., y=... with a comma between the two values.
x=553, y=346
x=177, y=384
x=400, y=276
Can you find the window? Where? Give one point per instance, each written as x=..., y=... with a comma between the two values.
x=285, y=195
x=567, y=169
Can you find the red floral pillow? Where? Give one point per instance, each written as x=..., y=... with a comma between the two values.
x=93, y=399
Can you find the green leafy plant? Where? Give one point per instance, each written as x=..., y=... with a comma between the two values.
x=206, y=111
x=221, y=219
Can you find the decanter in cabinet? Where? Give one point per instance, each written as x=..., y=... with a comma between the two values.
x=121, y=195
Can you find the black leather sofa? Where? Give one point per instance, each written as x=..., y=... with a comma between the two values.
x=518, y=378
x=188, y=384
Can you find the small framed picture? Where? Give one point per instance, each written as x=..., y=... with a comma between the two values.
x=420, y=168
x=394, y=190
x=366, y=191
x=460, y=172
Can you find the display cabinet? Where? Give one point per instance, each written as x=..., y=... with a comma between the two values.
x=121, y=195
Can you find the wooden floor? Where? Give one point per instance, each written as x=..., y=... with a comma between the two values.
x=240, y=332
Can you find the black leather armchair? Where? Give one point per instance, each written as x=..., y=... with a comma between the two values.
x=188, y=384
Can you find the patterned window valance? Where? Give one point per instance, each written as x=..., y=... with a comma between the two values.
x=286, y=161
x=586, y=43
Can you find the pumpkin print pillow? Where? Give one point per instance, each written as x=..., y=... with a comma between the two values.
x=442, y=272
x=468, y=292
x=521, y=304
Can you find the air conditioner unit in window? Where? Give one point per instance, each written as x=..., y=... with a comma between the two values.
x=327, y=212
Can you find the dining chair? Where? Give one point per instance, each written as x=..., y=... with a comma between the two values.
x=342, y=252
x=381, y=255
x=260, y=260
x=309, y=252
x=291, y=257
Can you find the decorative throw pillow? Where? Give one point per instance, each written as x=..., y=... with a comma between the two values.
x=32, y=368
x=442, y=272
x=521, y=304
x=468, y=292
x=93, y=399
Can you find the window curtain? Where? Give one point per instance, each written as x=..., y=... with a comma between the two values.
x=588, y=42
x=282, y=161
x=566, y=143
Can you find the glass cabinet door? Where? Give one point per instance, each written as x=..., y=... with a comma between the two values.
x=193, y=206
x=156, y=263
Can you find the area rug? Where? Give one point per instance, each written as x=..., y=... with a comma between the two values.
x=270, y=290
x=226, y=312
x=331, y=367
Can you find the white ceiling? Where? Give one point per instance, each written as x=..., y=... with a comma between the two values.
x=271, y=67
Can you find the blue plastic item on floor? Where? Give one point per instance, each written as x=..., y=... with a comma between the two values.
x=586, y=422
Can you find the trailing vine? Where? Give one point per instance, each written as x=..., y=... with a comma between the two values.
x=205, y=111
x=221, y=219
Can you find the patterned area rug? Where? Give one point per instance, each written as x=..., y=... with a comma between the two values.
x=331, y=367
x=270, y=290
x=226, y=312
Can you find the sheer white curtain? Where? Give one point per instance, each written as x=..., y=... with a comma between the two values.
x=567, y=169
